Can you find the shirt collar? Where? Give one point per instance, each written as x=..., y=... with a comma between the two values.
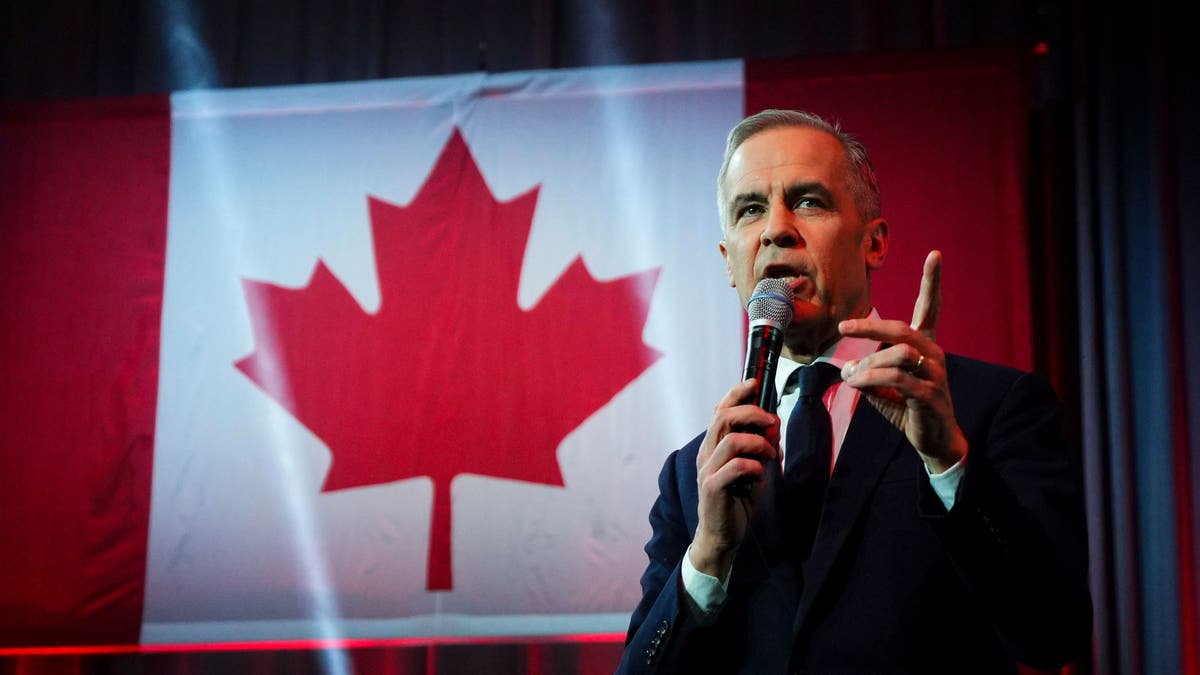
x=845, y=349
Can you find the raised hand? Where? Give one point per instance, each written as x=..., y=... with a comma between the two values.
x=907, y=381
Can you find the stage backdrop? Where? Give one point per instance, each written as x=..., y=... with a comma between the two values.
x=402, y=359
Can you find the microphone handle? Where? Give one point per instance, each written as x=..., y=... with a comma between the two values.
x=762, y=358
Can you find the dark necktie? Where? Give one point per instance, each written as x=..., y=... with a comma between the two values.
x=808, y=452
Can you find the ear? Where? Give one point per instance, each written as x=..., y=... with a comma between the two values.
x=875, y=243
x=728, y=268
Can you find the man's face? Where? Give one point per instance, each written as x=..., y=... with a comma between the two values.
x=790, y=214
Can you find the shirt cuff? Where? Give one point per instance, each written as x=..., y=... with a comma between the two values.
x=705, y=594
x=945, y=484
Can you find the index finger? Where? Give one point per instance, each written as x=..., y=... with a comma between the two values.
x=929, y=298
x=738, y=394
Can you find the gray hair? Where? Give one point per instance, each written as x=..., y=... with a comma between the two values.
x=864, y=185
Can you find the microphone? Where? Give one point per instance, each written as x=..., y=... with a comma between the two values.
x=770, y=310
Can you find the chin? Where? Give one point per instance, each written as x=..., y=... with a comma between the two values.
x=807, y=312
x=812, y=328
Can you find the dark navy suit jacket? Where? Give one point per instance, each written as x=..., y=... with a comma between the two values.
x=894, y=583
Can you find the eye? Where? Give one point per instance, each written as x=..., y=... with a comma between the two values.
x=809, y=203
x=749, y=211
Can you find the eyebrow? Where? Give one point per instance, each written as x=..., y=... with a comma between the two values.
x=790, y=194
x=813, y=189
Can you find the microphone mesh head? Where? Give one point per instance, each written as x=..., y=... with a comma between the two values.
x=772, y=301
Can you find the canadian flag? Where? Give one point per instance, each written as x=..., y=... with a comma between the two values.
x=403, y=358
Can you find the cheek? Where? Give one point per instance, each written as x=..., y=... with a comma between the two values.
x=842, y=271
x=851, y=276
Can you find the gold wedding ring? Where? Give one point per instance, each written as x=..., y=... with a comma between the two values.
x=920, y=361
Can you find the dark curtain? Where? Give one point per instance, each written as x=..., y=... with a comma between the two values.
x=1135, y=187
x=1113, y=215
x=73, y=48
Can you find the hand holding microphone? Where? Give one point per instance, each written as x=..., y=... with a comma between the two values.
x=770, y=311
x=732, y=457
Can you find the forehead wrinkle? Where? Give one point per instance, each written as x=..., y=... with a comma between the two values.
x=773, y=158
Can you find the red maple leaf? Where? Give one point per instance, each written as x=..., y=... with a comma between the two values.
x=449, y=375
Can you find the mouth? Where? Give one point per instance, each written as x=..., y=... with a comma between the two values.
x=794, y=277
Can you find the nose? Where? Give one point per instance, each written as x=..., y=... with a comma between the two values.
x=781, y=229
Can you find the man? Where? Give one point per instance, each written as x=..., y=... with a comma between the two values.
x=951, y=534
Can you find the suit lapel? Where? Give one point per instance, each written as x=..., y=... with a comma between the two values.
x=871, y=442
